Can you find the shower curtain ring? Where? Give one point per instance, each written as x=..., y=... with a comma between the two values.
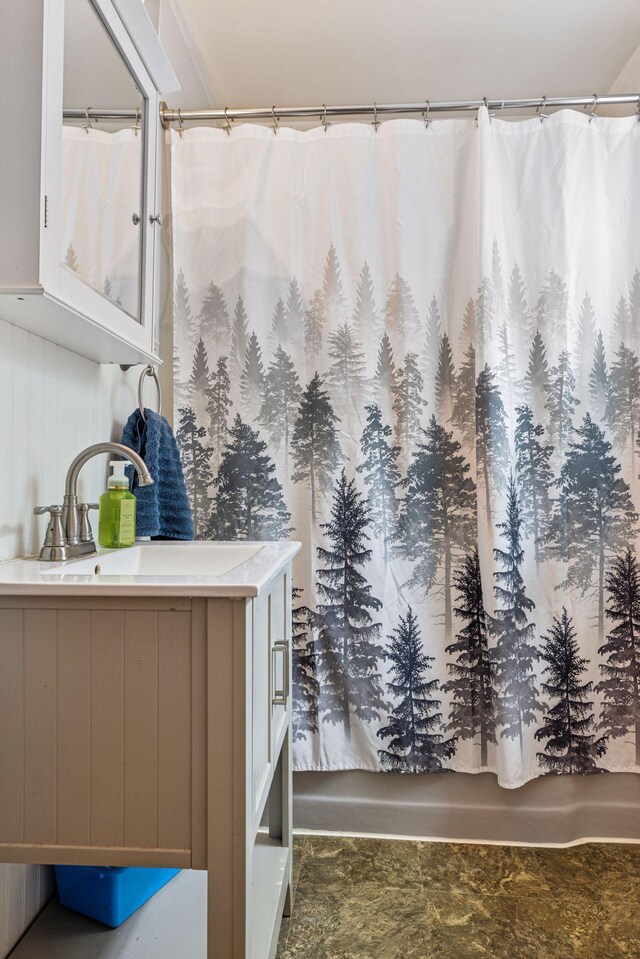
x=486, y=105
x=87, y=124
x=180, y=124
x=275, y=120
x=425, y=114
x=227, y=128
x=375, y=117
x=540, y=110
x=324, y=117
x=638, y=111
x=593, y=113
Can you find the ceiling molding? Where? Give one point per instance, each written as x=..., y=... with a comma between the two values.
x=193, y=51
x=628, y=80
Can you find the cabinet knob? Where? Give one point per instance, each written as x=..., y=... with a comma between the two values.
x=155, y=218
x=135, y=219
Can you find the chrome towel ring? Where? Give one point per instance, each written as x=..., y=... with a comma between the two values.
x=148, y=371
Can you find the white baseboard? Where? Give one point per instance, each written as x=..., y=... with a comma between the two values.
x=562, y=811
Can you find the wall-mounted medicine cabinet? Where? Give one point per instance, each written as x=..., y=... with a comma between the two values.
x=81, y=82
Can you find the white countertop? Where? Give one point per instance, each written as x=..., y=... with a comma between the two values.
x=154, y=568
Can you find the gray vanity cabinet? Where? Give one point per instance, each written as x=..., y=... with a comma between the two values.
x=154, y=732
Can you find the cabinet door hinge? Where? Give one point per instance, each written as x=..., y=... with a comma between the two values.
x=46, y=211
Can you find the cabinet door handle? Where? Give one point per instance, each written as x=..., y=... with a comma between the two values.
x=279, y=697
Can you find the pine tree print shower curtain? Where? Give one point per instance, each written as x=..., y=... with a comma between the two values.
x=416, y=350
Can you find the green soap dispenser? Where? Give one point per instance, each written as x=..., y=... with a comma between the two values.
x=117, y=517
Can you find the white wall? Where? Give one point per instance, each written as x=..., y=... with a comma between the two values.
x=53, y=403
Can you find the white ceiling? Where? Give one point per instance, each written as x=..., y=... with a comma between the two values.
x=289, y=52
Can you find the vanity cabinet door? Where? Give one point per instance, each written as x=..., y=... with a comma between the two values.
x=270, y=686
x=280, y=635
x=260, y=705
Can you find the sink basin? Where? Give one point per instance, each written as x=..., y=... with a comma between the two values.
x=152, y=569
x=206, y=559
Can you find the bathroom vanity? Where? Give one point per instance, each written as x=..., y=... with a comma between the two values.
x=145, y=708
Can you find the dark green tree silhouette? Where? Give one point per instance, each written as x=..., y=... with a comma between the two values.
x=536, y=379
x=198, y=476
x=239, y=336
x=445, y=380
x=620, y=685
x=485, y=312
x=468, y=335
x=408, y=404
x=401, y=319
x=219, y=406
x=463, y=415
x=437, y=515
x=199, y=381
x=506, y=368
x=594, y=517
x=346, y=374
x=347, y=650
x=587, y=331
x=552, y=307
x=470, y=686
x=279, y=334
x=496, y=278
x=492, y=444
x=599, y=381
x=182, y=324
x=634, y=310
x=314, y=323
x=213, y=318
x=248, y=498
x=571, y=745
x=333, y=298
x=432, y=340
x=366, y=320
x=252, y=380
x=561, y=402
x=514, y=654
x=381, y=476
x=621, y=324
x=622, y=410
x=534, y=477
x=280, y=402
x=315, y=446
x=385, y=378
x=304, y=685
x=416, y=743
x=518, y=318
x=294, y=317
x=71, y=259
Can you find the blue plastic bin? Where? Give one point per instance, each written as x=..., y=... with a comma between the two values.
x=109, y=894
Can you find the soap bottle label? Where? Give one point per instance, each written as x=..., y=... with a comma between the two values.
x=127, y=527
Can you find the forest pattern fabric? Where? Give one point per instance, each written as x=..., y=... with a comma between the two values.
x=416, y=351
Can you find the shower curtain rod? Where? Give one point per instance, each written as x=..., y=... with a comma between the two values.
x=375, y=110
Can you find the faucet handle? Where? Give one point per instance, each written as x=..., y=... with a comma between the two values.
x=86, y=533
x=55, y=534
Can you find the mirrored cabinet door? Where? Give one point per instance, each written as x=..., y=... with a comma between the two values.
x=100, y=170
x=102, y=203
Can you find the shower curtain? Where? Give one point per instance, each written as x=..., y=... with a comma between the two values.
x=415, y=350
x=101, y=242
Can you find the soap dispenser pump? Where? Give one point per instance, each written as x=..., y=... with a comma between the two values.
x=117, y=518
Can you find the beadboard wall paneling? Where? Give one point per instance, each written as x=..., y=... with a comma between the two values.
x=53, y=403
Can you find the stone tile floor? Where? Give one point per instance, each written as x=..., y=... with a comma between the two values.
x=388, y=899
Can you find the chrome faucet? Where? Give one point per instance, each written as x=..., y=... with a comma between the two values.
x=69, y=533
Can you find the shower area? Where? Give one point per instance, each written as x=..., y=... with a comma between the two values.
x=413, y=346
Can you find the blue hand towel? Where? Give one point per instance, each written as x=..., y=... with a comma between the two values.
x=162, y=509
